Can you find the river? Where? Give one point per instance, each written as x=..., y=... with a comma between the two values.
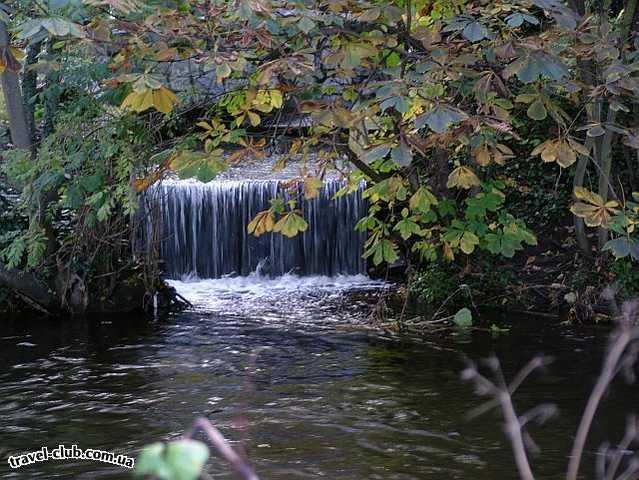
x=328, y=397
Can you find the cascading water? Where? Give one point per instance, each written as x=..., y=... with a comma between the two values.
x=203, y=231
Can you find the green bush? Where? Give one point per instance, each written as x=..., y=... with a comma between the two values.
x=432, y=284
x=627, y=276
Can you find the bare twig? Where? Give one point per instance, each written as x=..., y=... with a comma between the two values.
x=609, y=471
x=502, y=397
x=622, y=355
x=622, y=337
x=217, y=440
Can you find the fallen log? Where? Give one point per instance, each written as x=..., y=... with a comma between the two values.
x=31, y=289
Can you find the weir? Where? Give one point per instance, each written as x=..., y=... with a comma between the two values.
x=203, y=231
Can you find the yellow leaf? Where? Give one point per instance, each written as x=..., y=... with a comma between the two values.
x=540, y=148
x=505, y=149
x=276, y=98
x=254, y=118
x=462, y=177
x=312, y=186
x=204, y=125
x=262, y=223
x=498, y=157
x=143, y=101
x=482, y=155
x=10, y=59
x=290, y=225
x=164, y=99
x=166, y=54
x=19, y=54
x=578, y=147
x=448, y=252
x=550, y=153
x=582, y=193
x=566, y=156
x=139, y=101
x=142, y=184
x=592, y=208
x=593, y=216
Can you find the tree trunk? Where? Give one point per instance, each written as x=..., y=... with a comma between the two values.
x=589, y=76
x=51, y=97
x=439, y=172
x=606, y=145
x=578, y=181
x=20, y=135
x=29, y=86
x=606, y=168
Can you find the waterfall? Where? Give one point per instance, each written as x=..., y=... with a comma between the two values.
x=203, y=230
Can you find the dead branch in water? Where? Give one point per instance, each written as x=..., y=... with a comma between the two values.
x=622, y=356
x=502, y=393
x=217, y=440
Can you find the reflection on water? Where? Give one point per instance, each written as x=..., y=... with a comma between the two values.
x=322, y=402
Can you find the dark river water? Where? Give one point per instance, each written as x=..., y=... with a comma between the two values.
x=328, y=397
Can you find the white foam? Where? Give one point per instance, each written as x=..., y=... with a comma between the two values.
x=288, y=297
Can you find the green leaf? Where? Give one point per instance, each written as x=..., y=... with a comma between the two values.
x=406, y=228
x=376, y=153
x=104, y=212
x=492, y=242
x=537, y=111
x=151, y=461
x=596, y=131
x=479, y=205
x=306, y=24
x=382, y=251
x=222, y=71
x=495, y=330
x=422, y=200
x=563, y=15
x=402, y=155
x=535, y=65
x=440, y=118
x=399, y=103
x=354, y=53
x=515, y=20
x=474, y=31
x=56, y=26
x=463, y=318
x=468, y=242
x=186, y=458
x=447, y=208
x=29, y=28
x=393, y=60
x=290, y=225
x=509, y=245
x=14, y=253
x=179, y=460
x=622, y=247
